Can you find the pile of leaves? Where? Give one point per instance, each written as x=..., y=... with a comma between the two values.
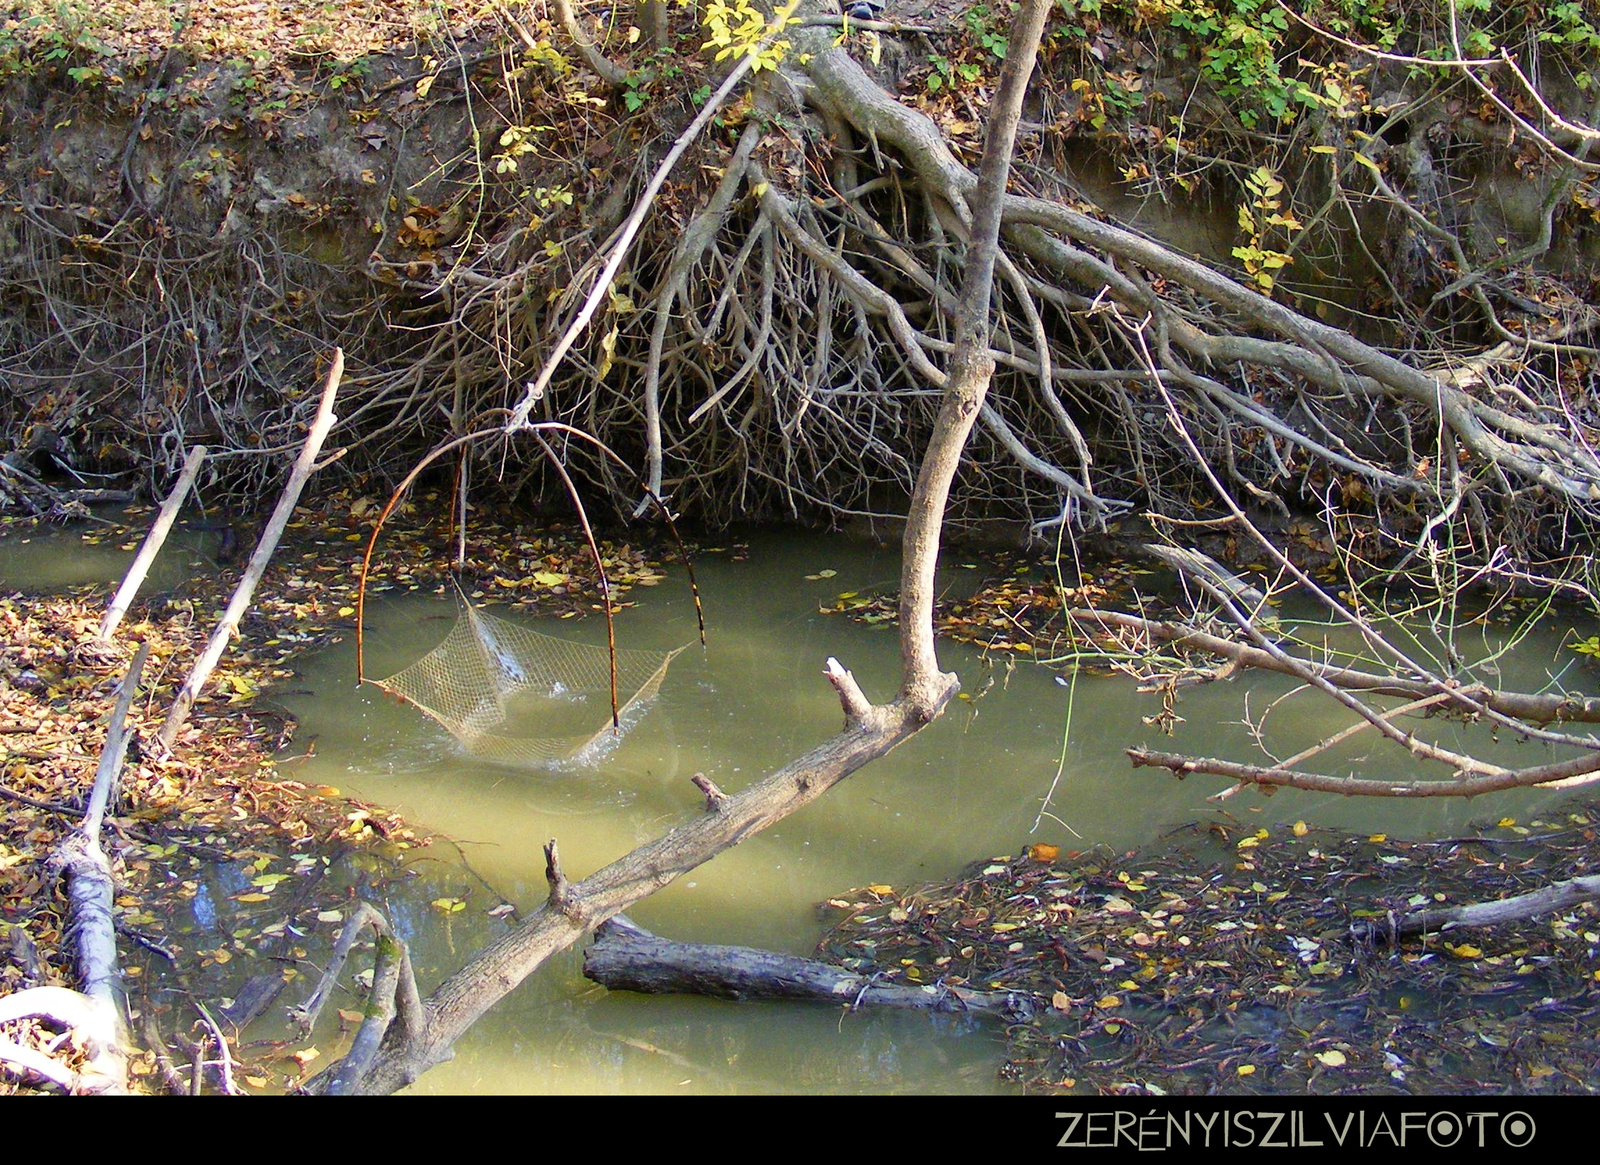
x=1226, y=963
x=232, y=876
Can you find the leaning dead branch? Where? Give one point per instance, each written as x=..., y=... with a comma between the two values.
x=152, y=544
x=228, y=625
x=871, y=730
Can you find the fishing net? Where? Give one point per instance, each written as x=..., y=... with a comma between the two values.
x=516, y=697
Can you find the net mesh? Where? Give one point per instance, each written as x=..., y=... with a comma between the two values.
x=509, y=694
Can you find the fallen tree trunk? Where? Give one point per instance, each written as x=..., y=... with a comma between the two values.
x=1556, y=896
x=626, y=957
x=95, y=1012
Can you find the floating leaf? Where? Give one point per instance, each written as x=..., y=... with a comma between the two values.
x=1331, y=1059
x=1044, y=853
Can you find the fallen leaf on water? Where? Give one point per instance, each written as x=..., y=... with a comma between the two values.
x=1331, y=1059
x=1044, y=853
x=1059, y=1001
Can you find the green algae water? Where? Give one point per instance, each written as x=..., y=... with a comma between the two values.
x=972, y=786
x=1038, y=757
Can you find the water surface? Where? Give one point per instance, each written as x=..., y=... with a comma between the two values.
x=971, y=786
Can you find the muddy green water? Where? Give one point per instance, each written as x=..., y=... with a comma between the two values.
x=970, y=787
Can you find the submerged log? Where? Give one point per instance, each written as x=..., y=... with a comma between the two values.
x=626, y=957
x=1556, y=896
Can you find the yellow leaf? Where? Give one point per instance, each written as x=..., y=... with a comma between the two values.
x=1378, y=838
x=1059, y=1001
x=1301, y=829
x=251, y=898
x=1324, y=149
x=1506, y=822
x=1246, y=1069
x=1044, y=853
x=1106, y=1002
x=1465, y=951
x=1331, y=1059
x=881, y=890
x=350, y=1016
x=346, y=612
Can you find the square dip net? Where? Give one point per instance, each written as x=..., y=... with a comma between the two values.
x=517, y=697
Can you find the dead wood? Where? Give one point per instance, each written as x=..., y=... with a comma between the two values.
x=1556, y=896
x=626, y=957
x=152, y=543
x=576, y=908
x=227, y=627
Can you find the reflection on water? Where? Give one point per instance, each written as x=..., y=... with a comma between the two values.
x=969, y=787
